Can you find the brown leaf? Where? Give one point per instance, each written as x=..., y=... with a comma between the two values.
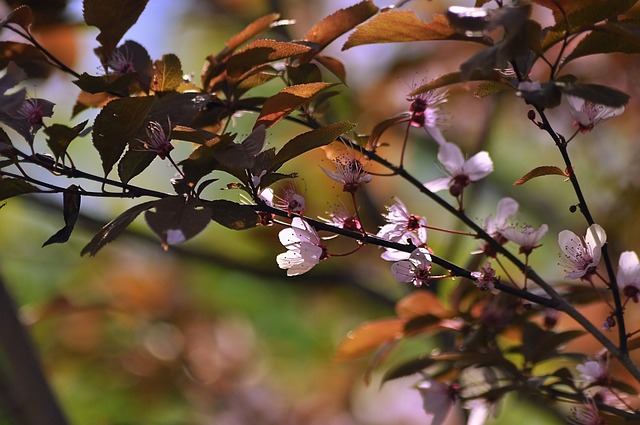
x=334, y=65
x=282, y=104
x=167, y=74
x=261, y=52
x=22, y=16
x=400, y=26
x=421, y=303
x=368, y=337
x=545, y=170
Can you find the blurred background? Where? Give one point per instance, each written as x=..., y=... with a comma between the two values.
x=212, y=332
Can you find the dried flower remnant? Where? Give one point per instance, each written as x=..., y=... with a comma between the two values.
x=628, y=277
x=582, y=256
x=157, y=140
x=415, y=269
x=588, y=114
x=304, y=249
x=461, y=173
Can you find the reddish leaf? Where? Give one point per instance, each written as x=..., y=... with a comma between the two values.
x=261, y=52
x=177, y=219
x=454, y=78
x=400, y=26
x=585, y=12
x=113, y=18
x=368, y=337
x=167, y=74
x=545, y=170
x=117, y=85
x=488, y=88
x=282, y=104
x=333, y=26
x=334, y=66
x=421, y=303
x=22, y=16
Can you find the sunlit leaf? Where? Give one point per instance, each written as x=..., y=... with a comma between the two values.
x=489, y=88
x=261, y=52
x=338, y=23
x=307, y=141
x=167, y=74
x=177, y=219
x=10, y=187
x=232, y=215
x=113, y=18
x=60, y=136
x=70, y=211
x=115, y=227
x=369, y=336
x=287, y=100
x=193, y=135
x=545, y=170
x=398, y=27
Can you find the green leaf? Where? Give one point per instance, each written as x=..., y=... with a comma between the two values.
x=545, y=170
x=70, y=211
x=113, y=18
x=287, y=100
x=399, y=27
x=595, y=93
x=307, y=141
x=232, y=215
x=10, y=187
x=115, y=227
x=177, y=219
x=119, y=122
x=61, y=136
x=259, y=53
x=167, y=74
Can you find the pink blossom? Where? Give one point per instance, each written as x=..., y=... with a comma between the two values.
x=595, y=371
x=340, y=217
x=588, y=114
x=349, y=172
x=628, y=277
x=402, y=226
x=157, y=140
x=461, y=173
x=587, y=415
x=582, y=256
x=496, y=225
x=425, y=113
x=527, y=237
x=486, y=278
x=415, y=269
x=304, y=249
x=438, y=400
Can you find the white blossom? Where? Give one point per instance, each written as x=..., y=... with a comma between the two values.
x=582, y=256
x=588, y=114
x=303, y=245
x=415, y=269
x=628, y=276
x=527, y=237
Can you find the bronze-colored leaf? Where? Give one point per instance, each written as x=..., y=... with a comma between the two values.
x=488, y=88
x=545, y=170
x=286, y=101
x=167, y=74
x=334, y=66
x=454, y=78
x=369, y=336
x=421, y=303
x=261, y=52
x=611, y=38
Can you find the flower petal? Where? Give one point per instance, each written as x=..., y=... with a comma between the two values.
x=450, y=156
x=438, y=184
x=403, y=271
x=478, y=166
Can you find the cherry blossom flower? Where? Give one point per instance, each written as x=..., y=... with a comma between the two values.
x=340, y=217
x=528, y=237
x=425, y=113
x=496, y=225
x=402, y=227
x=629, y=275
x=588, y=114
x=121, y=62
x=290, y=201
x=415, y=269
x=438, y=400
x=27, y=119
x=461, y=173
x=349, y=172
x=304, y=248
x=157, y=140
x=587, y=415
x=582, y=256
x=595, y=371
x=486, y=278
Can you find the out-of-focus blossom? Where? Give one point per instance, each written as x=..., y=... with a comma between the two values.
x=496, y=225
x=595, y=371
x=438, y=399
x=486, y=278
x=588, y=114
x=582, y=256
x=628, y=277
x=588, y=414
x=304, y=249
x=461, y=173
x=425, y=113
x=527, y=237
x=415, y=269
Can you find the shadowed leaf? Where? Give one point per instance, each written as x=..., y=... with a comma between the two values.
x=310, y=140
x=286, y=101
x=242, y=155
x=611, y=38
x=334, y=66
x=177, y=219
x=545, y=170
x=114, y=84
x=455, y=78
x=232, y=215
x=113, y=18
x=167, y=74
x=21, y=53
x=584, y=12
x=115, y=227
x=10, y=187
x=369, y=336
x=133, y=162
x=61, y=136
x=70, y=210
x=595, y=93
x=408, y=368
x=22, y=16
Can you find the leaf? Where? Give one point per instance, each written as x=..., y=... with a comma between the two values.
x=400, y=26
x=598, y=42
x=115, y=227
x=488, y=88
x=242, y=155
x=286, y=101
x=21, y=54
x=119, y=122
x=193, y=135
x=545, y=170
x=455, y=78
x=369, y=336
x=261, y=52
x=585, y=12
x=421, y=303
x=22, y=16
x=70, y=210
x=133, y=162
x=232, y=215
x=113, y=18
x=167, y=74
x=10, y=187
x=9, y=103
x=595, y=93
x=117, y=85
x=408, y=368
x=177, y=219
x=61, y=136
x=338, y=23
x=310, y=140
x=334, y=66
